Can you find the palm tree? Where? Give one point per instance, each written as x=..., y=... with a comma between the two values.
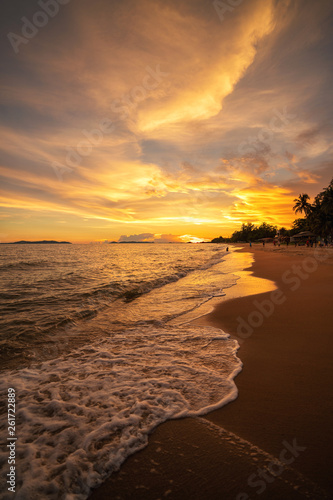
x=302, y=204
x=320, y=215
x=327, y=199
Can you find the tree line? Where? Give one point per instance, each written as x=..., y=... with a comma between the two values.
x=318, y=216
x=318, y=219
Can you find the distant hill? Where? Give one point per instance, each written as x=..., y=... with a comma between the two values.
x=44, y=242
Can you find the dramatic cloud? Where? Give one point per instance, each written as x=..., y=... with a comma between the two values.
x=162, y=115
x=143, y=237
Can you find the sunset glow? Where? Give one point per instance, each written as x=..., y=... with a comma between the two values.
x=162, y=118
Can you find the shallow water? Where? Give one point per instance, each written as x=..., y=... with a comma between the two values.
x=99, y=354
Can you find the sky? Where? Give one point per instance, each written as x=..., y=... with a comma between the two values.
x=161, y=120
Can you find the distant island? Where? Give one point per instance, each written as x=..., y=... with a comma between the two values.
x=44, y=242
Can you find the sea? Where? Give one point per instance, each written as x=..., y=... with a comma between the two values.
x=98, y=347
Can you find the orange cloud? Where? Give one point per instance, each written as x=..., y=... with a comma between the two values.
x=180, y=92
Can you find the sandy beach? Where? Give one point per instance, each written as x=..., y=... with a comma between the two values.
x=275, y=439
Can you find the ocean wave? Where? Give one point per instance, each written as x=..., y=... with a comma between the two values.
x=145, y=288
x=135, y=290
x=25, y=265
x=148, y=286
x=80, y=416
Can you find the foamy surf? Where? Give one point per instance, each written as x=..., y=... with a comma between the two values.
x=80, y=416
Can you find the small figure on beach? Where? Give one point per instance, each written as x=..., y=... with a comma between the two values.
x=227, y=249
x=250, y=244
x=263, y=243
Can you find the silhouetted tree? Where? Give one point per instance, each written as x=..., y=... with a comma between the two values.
x=302, y=204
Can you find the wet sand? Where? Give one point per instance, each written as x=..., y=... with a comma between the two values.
x=284, y=407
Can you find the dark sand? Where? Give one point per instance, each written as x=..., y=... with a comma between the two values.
x=284, y=396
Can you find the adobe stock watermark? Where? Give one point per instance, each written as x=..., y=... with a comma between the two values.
x=123, y=106
x=293, y=278
x=275, y=468
x=223, y=8
x=11, y=439
x=197, y=201
x=40, y=19
x=83, y=148
x=279, y=120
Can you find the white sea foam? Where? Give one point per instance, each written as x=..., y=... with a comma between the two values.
x=80, y=416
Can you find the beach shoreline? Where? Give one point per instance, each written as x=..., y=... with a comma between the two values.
x=284, y=395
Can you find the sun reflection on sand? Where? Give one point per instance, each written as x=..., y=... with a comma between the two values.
x=247, y=284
